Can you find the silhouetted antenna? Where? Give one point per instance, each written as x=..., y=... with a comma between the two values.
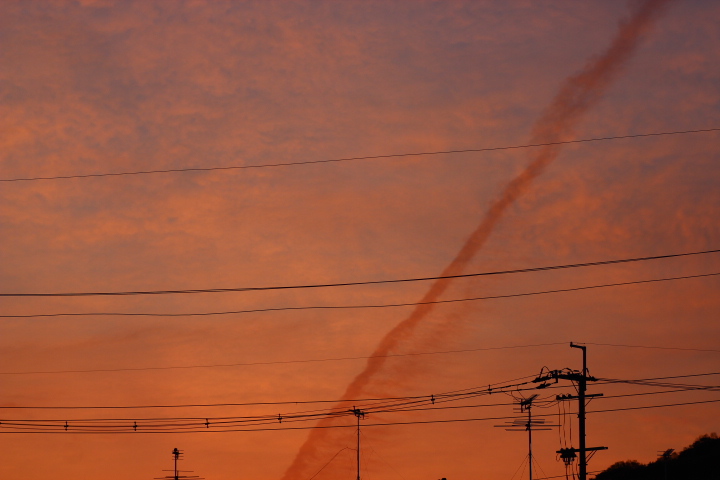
x=528, y=424
x=666, y=455
x=359, y=414
x=178, y=474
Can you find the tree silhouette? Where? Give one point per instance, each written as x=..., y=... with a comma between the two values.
x=699, y=461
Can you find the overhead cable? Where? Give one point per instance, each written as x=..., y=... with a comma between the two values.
x=616, y=380
x=423, y=404
x=127, y=429
x=386, y=305
x=493, y=388
x=350, y=159
x=279, y=362
x=655, y=347
x=357, y=283
x=497, y=387
x=655, y=406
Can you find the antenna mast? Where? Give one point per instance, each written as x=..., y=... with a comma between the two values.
x=178, y=474
x=358, y=413
x=522, y=425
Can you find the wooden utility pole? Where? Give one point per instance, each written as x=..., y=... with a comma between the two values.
x=580, y=379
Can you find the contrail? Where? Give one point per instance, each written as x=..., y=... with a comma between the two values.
x=579, y=93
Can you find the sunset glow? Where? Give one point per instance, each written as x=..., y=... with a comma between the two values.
x=161, y=149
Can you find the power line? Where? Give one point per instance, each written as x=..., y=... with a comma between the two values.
x=369, y=282
x=375, y=406
x=203, y=429
x=680, y=386
x=279, y=362
x=565, y=476
x=653, y=347
x=642, y=394
x=490, y=388
x=385, y=402
x=615, y=380
x=423, y=403
x=654, y=406
x=386, y=305
x=350, y=159
x=676, y=387
x=206, y=430
x=333, y=359
x=273, y=417
x=165, y=422
x=330, y=461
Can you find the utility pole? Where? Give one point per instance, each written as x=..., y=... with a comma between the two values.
x=529, y=430
x=582, y=389
x=580, y=378
x=358, y=413
x=176, y=455
x=666, y=455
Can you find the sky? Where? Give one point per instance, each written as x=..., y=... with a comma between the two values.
x=99, y=87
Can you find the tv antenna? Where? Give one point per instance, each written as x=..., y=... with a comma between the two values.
x=178, y=474
x=666, y=455
x=359, y=414
x=528, y=424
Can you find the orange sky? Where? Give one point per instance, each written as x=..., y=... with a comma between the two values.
x=94, y=86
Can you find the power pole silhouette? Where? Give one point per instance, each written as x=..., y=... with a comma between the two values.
x=358, y=413
x=580, y=379
x=177, y=474
x=666, y=455
x=522, y=425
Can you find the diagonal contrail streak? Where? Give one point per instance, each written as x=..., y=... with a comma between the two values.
x=578, y=94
